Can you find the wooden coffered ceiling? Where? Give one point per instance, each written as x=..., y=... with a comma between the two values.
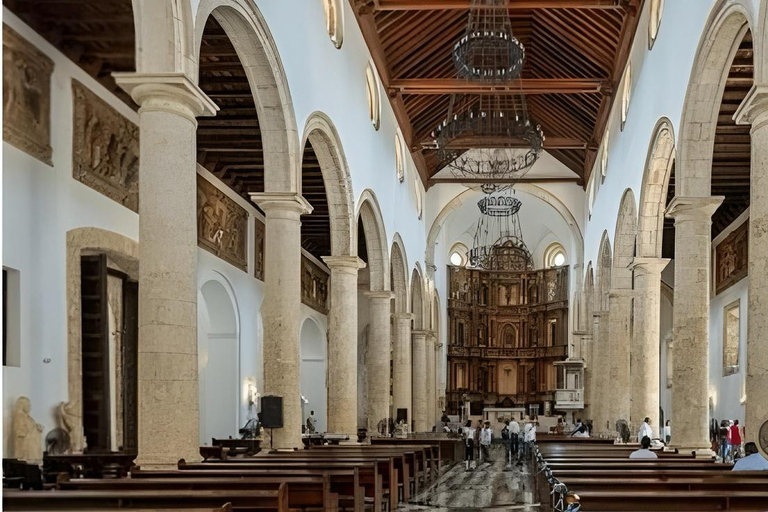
x=576, y=51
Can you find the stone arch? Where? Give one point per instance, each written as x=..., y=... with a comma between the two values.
x=324, y=138
x=121, y=249
x=624, y=242
x=399, y=275
x=653, y=194
x=164, y=37
x=257, y=50
x=726, y=27
x=603, y=277
x=218, y=358
x=369, y=213
x=417, y=297
x=540, y=193
x=314, y=369
x=589, y=293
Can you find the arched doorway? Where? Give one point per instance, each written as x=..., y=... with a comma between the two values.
x=218, y=362
x=313, y=373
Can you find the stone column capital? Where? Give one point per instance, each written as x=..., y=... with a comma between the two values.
x=419, y=333
x=693, y=208
x=649, y=266
x=403, y=317
x=168, y=92
x=384, y=295
x=347, y=264
x=754, y=109
x=282, y=202
x=621, y=293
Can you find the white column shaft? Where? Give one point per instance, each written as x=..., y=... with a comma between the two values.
x=401, y=371
x=419, y=375
x=377, y=361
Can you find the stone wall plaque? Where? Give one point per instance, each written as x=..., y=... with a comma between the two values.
x=26, y=96
x=731, y=258
x=222, y=224
x=259, y=235
x=105, y=148
x=314, y=285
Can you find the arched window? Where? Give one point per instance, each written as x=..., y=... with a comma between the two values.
x=399, y=158
x=459, y=255
x=654, y=21
x=419, y=198
x=604, y=156
x=374, y=100
x=334, y=21
x=554, y=256
x=625, y=94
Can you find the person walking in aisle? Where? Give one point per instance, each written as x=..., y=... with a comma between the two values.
x=486, y=437
x=645, y=430
x=468, y=433
x=514, y=439
x=530, y=437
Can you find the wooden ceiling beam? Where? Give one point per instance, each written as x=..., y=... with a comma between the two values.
x=431, y=5
x=480, y=181
x=437, y=86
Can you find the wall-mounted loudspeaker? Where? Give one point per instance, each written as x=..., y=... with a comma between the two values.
x=271, y=415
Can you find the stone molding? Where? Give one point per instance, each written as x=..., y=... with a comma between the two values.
x=348, y=264
x=649, y=266
x=380, y=295
x=174, y=93
x=754, y=108
x=693, y=208
x=403, y=316
x=282, y=202
x=420, y=333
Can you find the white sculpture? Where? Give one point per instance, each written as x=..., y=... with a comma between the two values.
x=27, y=433
x=71, y=422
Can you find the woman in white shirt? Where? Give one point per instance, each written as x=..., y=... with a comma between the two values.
x=469, y=445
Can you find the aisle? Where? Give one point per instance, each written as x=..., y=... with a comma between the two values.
x=489, y=487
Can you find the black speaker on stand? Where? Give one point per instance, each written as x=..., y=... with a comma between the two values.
x=271, y=415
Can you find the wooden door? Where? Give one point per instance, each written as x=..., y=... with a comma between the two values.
x=95, y=352
x=130, y=357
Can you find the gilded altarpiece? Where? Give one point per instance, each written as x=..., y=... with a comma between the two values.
x=507, y=328
x=222, y=225
x=731, y=258
x=26, y=96
x=105, y=148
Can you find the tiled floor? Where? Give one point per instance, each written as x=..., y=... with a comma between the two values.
x=488, y=487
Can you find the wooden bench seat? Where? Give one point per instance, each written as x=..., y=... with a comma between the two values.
x=167, y=499
x=630, y=501
x=665, y=484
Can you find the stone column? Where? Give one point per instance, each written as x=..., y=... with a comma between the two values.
x=419, y=375
x=377, y=359
x=167, y=352
x=401, y=370
x=280, y=310
x=690, y=384
x=601, y=414
x=754, y=111
x=646, y=371
x=342, y=345
x=620, y=305
x=431, y=375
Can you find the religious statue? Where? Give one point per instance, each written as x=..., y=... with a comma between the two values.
x=27, y=433
x=401, y=429
x=71, y=422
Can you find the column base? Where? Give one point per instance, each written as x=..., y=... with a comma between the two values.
x=699, y=453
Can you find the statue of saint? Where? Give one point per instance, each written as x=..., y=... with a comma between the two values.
x=27, y=433
x=71, y=422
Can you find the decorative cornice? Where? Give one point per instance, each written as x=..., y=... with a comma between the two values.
x=343, y=262
x=168, y=92
x=683, y=208
x=754, y=106
x=649, y=265
x=281, y=201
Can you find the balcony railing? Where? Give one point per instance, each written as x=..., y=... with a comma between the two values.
x=508, y=353
x=569, y=398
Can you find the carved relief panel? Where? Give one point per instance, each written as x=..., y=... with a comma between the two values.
x=26, y=96
x=105, y=148
x=314, y=286
x=259, y=236
x=222, y=225
x=731, y=265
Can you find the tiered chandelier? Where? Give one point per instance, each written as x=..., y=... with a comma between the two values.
x=504, y=141
x=498, y=242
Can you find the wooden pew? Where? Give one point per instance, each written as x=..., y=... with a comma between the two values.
x=446, y=448
x=606, y=479
x=349, y=485
x=308, y=491
x=167, y=499
x=384, y=474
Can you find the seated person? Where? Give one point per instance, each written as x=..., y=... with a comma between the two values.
x=644, y=452
x=581, y=430
x=752, y=460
